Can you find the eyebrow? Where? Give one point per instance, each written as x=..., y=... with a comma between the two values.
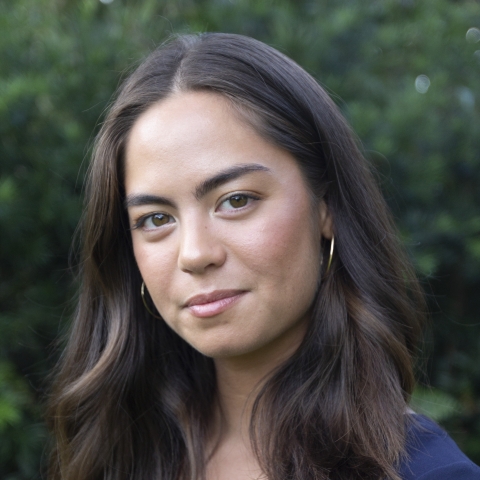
x=142, y=199
x=225, y=176
x=201, y=189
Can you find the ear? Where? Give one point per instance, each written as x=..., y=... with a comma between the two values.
x=325, y=221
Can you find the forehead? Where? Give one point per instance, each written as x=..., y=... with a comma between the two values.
x=190, y=136
x=185, y=118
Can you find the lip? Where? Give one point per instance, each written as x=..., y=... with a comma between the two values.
x=213, y=303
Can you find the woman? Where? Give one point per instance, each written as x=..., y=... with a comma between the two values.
x=246, y=310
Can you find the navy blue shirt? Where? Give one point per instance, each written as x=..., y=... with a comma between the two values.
x=433, y=455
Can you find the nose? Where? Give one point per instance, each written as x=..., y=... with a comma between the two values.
x=200, y=248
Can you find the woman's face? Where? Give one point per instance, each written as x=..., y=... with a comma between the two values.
x=222, y=227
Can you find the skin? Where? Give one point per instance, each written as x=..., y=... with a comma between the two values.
x=254, y=234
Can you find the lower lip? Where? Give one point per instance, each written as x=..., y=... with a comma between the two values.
x=214, y=308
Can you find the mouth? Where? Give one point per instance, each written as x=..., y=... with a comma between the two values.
x=213, y=303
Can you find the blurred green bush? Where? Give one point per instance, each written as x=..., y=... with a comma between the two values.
x=404, y=72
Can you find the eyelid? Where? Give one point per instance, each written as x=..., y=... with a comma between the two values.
x=140, y=221
x=249, y=195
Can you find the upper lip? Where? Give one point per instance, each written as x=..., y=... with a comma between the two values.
x=203, y=298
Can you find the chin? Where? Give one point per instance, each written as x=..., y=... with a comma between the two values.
x=223, y=350
x=219, y=351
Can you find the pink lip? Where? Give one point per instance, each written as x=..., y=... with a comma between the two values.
x=210, y=304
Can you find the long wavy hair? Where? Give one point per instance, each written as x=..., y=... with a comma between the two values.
x=132, y=400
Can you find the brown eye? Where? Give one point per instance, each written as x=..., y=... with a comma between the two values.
x=238, y=201
x=159, y=219
x=156, y=220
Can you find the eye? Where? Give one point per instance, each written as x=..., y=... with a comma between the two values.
x=153, y=221
x=237, y=201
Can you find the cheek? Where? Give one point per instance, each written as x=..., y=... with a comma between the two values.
x=156, y=264
x=284, y=248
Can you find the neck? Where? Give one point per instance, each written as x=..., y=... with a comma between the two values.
x=239, y=380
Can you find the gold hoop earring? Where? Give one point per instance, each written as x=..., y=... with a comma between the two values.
x=330, y=258
x=142, y=291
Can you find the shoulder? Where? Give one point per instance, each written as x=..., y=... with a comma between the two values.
x=433, y=455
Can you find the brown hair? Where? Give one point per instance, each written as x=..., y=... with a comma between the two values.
x=133, y=400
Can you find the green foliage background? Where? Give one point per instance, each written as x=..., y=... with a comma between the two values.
x=60, y=61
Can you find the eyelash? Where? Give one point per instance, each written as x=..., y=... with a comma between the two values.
x=250, y=197
x=140, y=223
